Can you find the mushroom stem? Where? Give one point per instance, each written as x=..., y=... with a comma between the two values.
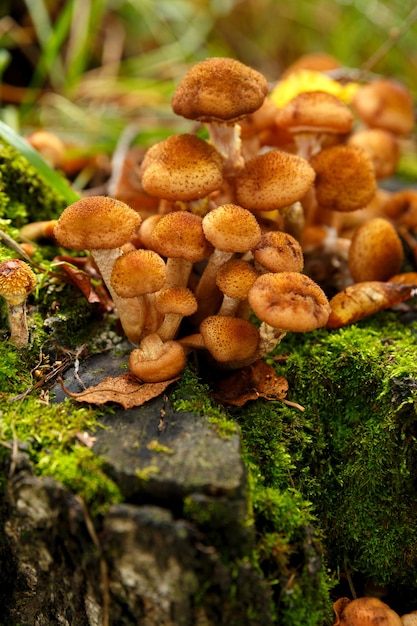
x=226, y=139
x=130, y=311
x=19, y=334
x=207, y=292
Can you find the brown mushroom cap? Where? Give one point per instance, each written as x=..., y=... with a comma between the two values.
x=315, y=112
x=289, y=301
x=376, y=251
x=96, y=223
x=345, y=178
x=235, y=277
x=231, y=228
x=180, y=235
x=177, y=300
x=382, y=146
x=17, y=281
x=138, y=272
x=273, y=180
x=156, y=360
x=229, y=339
x=368, y=612
x=385, y=103
x=219, y=89
x=279, y=252
x=181, y=167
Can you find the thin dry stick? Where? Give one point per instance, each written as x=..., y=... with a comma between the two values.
x=389, y=43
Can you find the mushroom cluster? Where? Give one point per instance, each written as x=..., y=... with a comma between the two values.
x=239, y=213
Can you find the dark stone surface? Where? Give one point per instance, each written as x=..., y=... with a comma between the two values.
x=175, y=553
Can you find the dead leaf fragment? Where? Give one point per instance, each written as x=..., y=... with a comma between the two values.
x=258, y=380
x=366, y=298
x=126, y=390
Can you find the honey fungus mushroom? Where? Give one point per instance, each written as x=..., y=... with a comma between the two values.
x=17, y=281
x=181, y=168
x=231, y=341
x=286, y=302
x=376, y=251
x=219, y=92
x=345, y=178
x=311, y=116
x=155, y=360
x=103, y=225
x=365, y=611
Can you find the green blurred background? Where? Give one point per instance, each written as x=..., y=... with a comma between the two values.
x=76, y=64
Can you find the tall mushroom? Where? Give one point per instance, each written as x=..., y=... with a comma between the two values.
x=103, y=225
x=230, y=229
x=220, y=92
x=17, y=281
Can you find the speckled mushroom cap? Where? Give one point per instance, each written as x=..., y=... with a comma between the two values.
x=289, y=301
x=278, y=251
x=229, y=338
x=345, y=178
x=138, y=272
x=178, y=300
x=382, y=146
x=180, y=235
x=219, y=90
x=376, y=251
x=231, y=228
x=365, y=611
x=315, y=111
x=273, y=180
x=17, y=281
x=96, y=223
x=181, y=167
x=235, y=277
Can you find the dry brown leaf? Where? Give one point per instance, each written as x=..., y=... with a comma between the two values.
x=126, y=390
x=363, y=299
x=258, y=380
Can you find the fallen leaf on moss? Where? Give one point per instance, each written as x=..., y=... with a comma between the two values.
x=258, y=380
x=81, y=273
x=125, y=390
x=363, y=299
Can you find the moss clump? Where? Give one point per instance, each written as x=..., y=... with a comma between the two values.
x=48, y=434
x=355, y=456
x=24, y=195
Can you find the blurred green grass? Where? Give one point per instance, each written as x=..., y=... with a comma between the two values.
x=87, y=67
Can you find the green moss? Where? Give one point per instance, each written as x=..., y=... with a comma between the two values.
x=24, y=196
x=358, y=462
x=48, y=434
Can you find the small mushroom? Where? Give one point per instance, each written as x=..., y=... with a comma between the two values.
x=234, y=279
x=311, y=116
x=365, y=611
x=385, y=103
x=382, y=146
x=155, y=360
x=139, y=274
x=278, y=252
x=345, y=178
x=230, y=229
x=179, y=236
x=103, y=225
x=220, y=92
x=376, y=251
x=174, y=303
x=17, y=281
x=286, y=302
x=231, y=341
